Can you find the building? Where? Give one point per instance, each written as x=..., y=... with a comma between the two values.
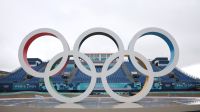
x=125, y=79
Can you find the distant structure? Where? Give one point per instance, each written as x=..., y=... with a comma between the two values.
x=3, y=73
x=125, y=79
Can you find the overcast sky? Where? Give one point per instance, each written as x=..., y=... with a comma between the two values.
x=181, y=18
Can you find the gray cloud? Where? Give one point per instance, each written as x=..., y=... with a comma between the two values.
x=71, y=18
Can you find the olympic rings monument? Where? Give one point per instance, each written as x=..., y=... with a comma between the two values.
x=134, y=57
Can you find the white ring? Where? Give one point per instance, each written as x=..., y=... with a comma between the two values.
x=168, y=39
x=29, y=39
x=97, y=31
x=55, y=94
x=145, y=90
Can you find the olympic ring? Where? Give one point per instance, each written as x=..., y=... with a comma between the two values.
x=143, y=92
x=60, y=97
x=170, y=42
x=134, y=57
x=23, y=49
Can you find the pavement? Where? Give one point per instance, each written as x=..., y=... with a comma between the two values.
x=96, y=103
